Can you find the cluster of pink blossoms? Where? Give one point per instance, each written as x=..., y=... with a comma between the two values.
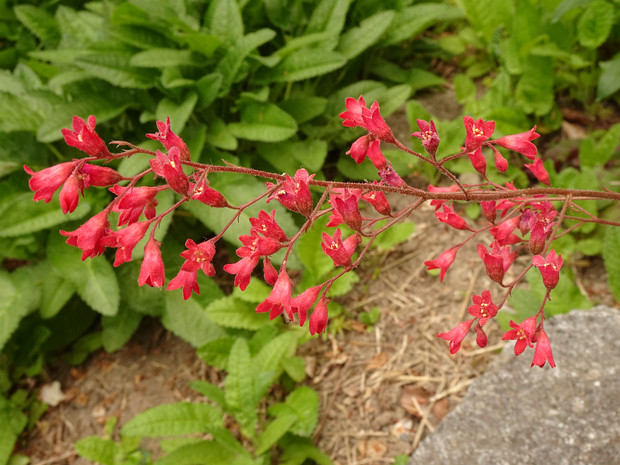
x=509, y=221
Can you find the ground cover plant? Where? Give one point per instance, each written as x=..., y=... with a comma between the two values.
x=248, y=99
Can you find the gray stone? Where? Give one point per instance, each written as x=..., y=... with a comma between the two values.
x=517, y=414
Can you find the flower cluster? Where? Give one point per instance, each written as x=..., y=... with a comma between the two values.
x=518, y=222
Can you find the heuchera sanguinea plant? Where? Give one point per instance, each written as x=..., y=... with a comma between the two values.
x=519, y=221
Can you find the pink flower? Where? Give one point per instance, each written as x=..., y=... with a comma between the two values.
x=205, y=194
x=169, y=167
x=334, y=248
x=481, y=337
x=279, y=299
x=483, y=307
x=540, y=230
x=101, y=176
x=390, y=177
x=294, y=193
x=302, y=303
x=370, y=119
x=478, y=132
x=456, y=335
x=478, y=161
x=85, y=138
x=549, y=268
x=451, y=218
x=503, y=232
x=428, y=135
x=152, y=269
x=268, y=226
x=489, y=210
x=243, y=270
x=70, y=193
x=255, y=245
x=538, y=169
x=198, y=257
x=376, y=155
x=497, y=261
x=88, y=236
x=542, y=353
x=438, y=203
x=520, y=143
x=353, y=116
x=47, y=181
x=443, y=262
x=318, y=319
x=359, y=148
x=186, y=280
x=169, y=139
x=522, y=333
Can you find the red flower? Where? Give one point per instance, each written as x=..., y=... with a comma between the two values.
x=255, y=245
x=186, y=280
x=269, y=272
x=268, y=226
x=45, y=182
x=152, y=269
x=481, y=337
x=478, y=132
x=549, y=268
x=378, y=201
x=133, y=202
x=70, y=193
x=451, y=218
x=169, y=139
x=370, y=119
x=428, y=135
x=335, y=249
x=376, y=155
x=198, y=257
x=346, y=205
x=522, y=333
x=489, y=210
x=294, y=193
x=279, y=299
x=390, y=177
x=538, y=169
x=101, y=176
x=456, y=335
x=503, y=232
x=205, y=194
x=500, y=162
x=125, y=240
x=497, y=261
x=88, y=236
x=243, y=270
x=483, y=307
x=359, y=148
x=169, y=167
x=542, y=353
x=302, y=303
x=318, y=319
x=438, y=203
x=520, y=143
x=353, y=116
x=478, y=161
x=443, y=262
x=85, y=138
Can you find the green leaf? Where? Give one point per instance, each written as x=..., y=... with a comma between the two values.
x=609, y=80
x=210, y=391
x=208, y=87
x=271, y=354
x=239, y=392
x=534, y=91
x=595, y=24
x=179, y=113
x=143, y=299
x=597, y=155
x=303, y=64
x=396, y=234
x=234, y=313
x=12, y=422
x=274, y=431
x=94, y=278
x=116, y=69
x=611, y=257
x=200, y=453
x=174, y=419
x=224, y=20
x=343, y=284
x=9, y=316
x=26, y=216
x=464, y=87
x=329, y=16
x=305, y=108
x=255, y=293
x=215, y=352
x=307, y=153
x=263, y=122
x=188, y=320
x=39, y=22
x=304, y=403
x=356, y=40
x=118, y=329
x=55, y=292
x=413, y=20
x=295, y=367
x=566, y=6
x=164, y=58
x=314, y=260
x=104, y=451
